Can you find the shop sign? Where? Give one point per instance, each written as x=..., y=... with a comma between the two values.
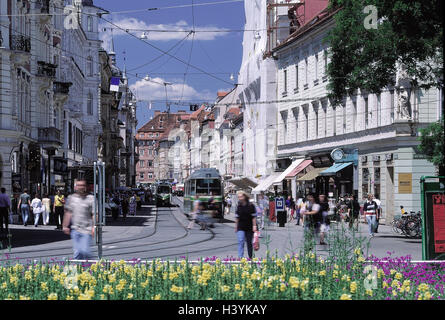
x=279, y=204
x=439, y=222
x=405, y=183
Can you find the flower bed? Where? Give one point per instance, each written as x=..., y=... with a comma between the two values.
x=298, y=277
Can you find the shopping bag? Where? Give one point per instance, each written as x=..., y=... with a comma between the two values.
x=256, y=241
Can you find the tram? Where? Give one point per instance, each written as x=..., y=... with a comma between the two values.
x=205, y=183
x=163, y=194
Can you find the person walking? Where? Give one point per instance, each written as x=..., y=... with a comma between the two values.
x=24, y=206
x=5, y=207
x=195, y=212
x=58, y=208
x=312, y=219
x=37, y=209
x=263, y=205
x=298, y=206
x=78, y=220
x=325, y=223
x=125, y=206
x=245, y=224
x=378, y=213
x=354, y=212
x=133, y=205
x=289, y=208
x=46, y=201
x=370, y=208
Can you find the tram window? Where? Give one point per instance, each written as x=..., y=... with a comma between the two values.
x=192, y=188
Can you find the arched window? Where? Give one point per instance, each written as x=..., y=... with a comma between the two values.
x=90, y=104
x=90, y=66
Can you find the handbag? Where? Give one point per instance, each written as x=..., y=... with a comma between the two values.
x=256, y=241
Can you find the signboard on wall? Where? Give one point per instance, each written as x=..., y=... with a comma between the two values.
x=405, y=182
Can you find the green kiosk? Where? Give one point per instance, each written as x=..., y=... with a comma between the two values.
x=433, y=218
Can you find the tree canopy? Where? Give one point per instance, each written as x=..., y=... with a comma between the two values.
x=408, y=32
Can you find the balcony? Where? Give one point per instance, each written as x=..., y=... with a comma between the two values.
x=20, y=43
x=45, y=69
x=61, y=87
x=50, y=138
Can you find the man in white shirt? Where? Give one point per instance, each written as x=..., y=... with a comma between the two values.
x=37, y=209
x=379, y=213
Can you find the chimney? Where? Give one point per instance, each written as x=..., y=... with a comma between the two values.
x=181, y=111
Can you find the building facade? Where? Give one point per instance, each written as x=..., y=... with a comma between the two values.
x=376, y=135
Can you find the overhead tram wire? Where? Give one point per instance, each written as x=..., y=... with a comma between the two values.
x=174, y=57
x=190, y=54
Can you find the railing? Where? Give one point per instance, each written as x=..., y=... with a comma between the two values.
x=20, y=43
x=61, y=87
x=45, y=69
x=49, y=135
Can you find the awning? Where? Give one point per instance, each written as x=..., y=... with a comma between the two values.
x=265, y=183
x=287, y=171
x=298, y=169
x=331, y=171
x=243, y=183
x=311, y=175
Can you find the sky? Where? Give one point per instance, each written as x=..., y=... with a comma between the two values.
x=218, y=53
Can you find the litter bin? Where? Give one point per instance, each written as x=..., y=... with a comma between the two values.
x=282, y=217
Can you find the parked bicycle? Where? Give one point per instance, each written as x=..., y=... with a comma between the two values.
x=409, y=225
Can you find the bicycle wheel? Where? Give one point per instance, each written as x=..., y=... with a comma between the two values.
x=411, y=228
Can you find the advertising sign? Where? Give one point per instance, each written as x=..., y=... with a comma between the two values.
x=405, y=182
x=433, y=218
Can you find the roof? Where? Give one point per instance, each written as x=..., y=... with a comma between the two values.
x=203, y=172
x=159, y=125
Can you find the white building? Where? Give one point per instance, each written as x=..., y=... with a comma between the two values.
x=378, y=132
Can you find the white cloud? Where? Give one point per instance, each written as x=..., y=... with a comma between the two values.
x=148, y=90
x=133, y=23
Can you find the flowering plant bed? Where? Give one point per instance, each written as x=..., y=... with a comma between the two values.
x=299, y=277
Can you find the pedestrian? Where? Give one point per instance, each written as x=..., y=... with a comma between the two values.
x=312, y=219
x=125, y=205
x=370, y=209
x=263, y=205
x=53, y=199
x=78, y=220
x=138, y=202
x=37, y=209
x=46, y=201
x=379, y=213
x=116, y=209
x=324, y=210
x=298, y=205
x=245, y=223
x=289, y=208
x=354, y=212
x=195, y=212
x=24, y=206
x=133, y=205
x=229, y=203
x=58, y=208
x=5, y=207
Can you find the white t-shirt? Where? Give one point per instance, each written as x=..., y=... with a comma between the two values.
x=37, y=206
x=378, y=202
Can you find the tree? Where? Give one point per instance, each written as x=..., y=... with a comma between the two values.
x=432, y=144
x=408, y=32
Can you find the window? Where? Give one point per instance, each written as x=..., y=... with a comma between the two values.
x=70, y=135
x=295, y=112
x=334, y=118
x=141, y=152
x=366, y=112
x=392, y=105
x=90, y=24
x=306, y=71
x=90, y=66
x=150, y=163
x=141, y=135
x=316, y=66
x=316, y=120
x=325, y=117
x=325, y=64
x=296, y=77
x=141, y=175
x=90, y=104
x=344, y=116
x=379, y=110
x=285, y=81
x=141, y=163
x=354, y=114
x=149, y=152
x=150, y=175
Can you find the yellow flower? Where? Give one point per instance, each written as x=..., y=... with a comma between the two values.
x=393, y=271
x=317, y=291
x=353, y=287
x=294, y=282
x=52, y=296
x=322, y=273
x=44, y=286
x=4, y=285
x=427, y=295
x=176, y=289
x=237, y=286
x=225, y=288
x=157, y=297
x=398, y=276
x=130, y=296
x=345, y=296
x=282, y=287
x=423, y=287
x=69, y=297
x=369, y=292
x=24, y=298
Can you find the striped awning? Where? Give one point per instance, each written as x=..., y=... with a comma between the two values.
x=298, y=169
x=311, y=175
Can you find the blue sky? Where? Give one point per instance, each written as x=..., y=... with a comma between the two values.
x=214, y=52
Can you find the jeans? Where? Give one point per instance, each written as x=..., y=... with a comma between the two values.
x=371, y=219
x=81, y=245
x=297, y=211
x=245, y=236
x=45, y=216
x=24, y=208
x=59, y=216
